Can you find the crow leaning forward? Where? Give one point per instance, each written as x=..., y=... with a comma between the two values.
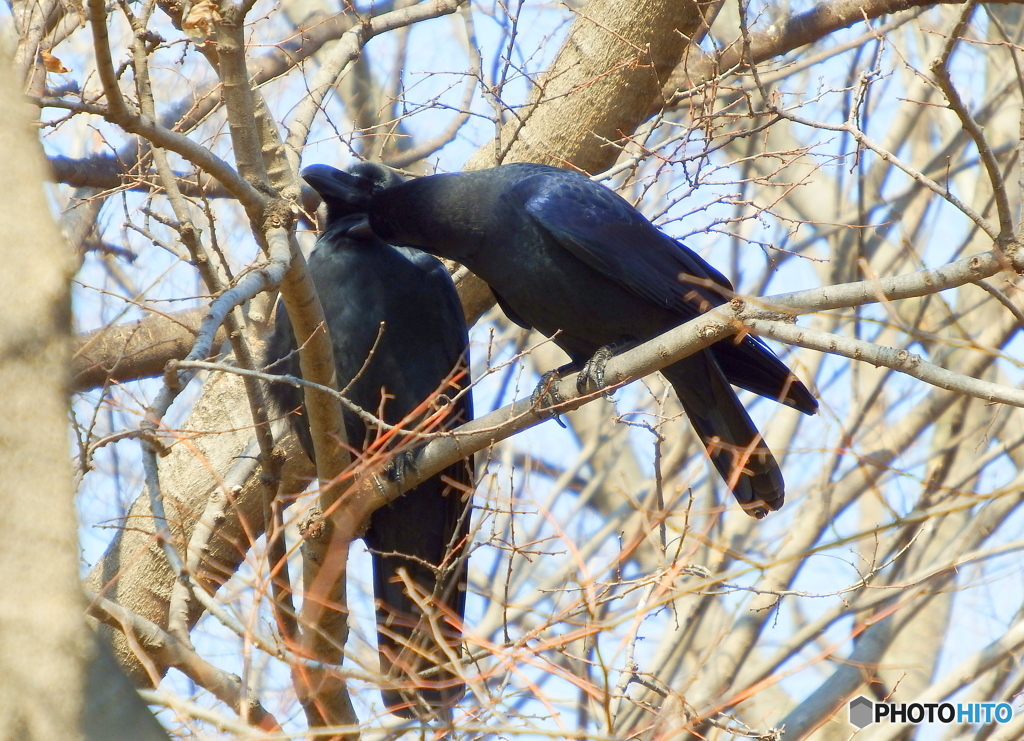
x=573, y=260
x=399, y=338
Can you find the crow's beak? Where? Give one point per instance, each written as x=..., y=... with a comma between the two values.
x=336, y=185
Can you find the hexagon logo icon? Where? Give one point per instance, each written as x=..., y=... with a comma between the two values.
x=861, y=711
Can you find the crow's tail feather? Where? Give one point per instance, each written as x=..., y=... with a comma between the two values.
x=421, y=538
x=723, y=425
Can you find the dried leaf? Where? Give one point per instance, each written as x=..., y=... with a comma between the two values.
x=52, y=63
x=201, y=20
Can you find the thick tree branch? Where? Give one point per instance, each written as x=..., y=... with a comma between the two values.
x=133, y=350
x=44, y=643
x=238, y=96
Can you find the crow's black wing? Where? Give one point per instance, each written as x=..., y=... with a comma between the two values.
x=600, y=228
x=604, y=231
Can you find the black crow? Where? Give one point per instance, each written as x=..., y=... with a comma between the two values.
x=399, y=338
x=573, y=260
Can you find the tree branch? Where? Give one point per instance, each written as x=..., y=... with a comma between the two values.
x=889, y=357
x=784, y=35
x=346, y=50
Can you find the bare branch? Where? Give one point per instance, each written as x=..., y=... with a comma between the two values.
x=171, y=652
x=940, y=68
x=901, y=360
x=346, y=50
x=149, y=129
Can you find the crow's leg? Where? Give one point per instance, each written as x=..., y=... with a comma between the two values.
x=545, y=395
x=591, y=377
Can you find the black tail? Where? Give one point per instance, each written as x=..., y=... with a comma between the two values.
x=723, y=425
x=751, y=365
x=422, y=536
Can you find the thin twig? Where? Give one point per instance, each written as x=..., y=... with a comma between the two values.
x=940, y=68
x=1003, y=299
x=345, y=51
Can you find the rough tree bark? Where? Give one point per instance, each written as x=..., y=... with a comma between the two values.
x=44, y=642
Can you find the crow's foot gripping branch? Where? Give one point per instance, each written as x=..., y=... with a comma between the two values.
x=591, y=377
x=401, y=466
x=546, y=394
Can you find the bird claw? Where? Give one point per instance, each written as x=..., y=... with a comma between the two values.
x=546, y=395
x=593, y=372
x=401, y=466
x=757, y=509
